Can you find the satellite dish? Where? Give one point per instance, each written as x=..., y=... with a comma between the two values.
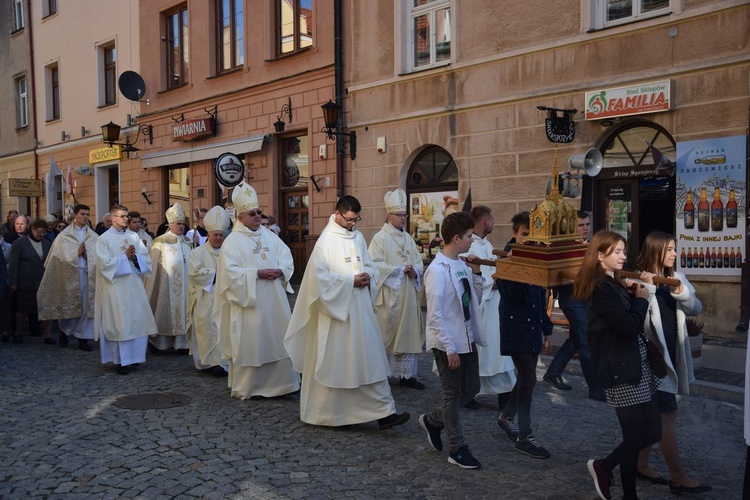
x=132, y=86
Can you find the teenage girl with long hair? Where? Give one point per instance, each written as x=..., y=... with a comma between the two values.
x=615, y=325
x=666, y=327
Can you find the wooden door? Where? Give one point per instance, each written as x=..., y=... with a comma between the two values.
x=295, y=226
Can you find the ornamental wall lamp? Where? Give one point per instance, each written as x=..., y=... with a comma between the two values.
x=111, y=134
x=331, y=117
x=286, y=109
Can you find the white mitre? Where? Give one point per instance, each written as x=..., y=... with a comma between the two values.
x=244, y=198
x=175, y=213
x=395, y=201
x=216, y=219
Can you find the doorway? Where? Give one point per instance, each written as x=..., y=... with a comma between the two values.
x=295, y=199
x=107, y=181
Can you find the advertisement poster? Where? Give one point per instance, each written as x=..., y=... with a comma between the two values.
x=618, y=210
x=710, y=199
x=426, y=213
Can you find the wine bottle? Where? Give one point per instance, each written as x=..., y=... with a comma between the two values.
x=719, y=259
x=704, y=221
x=689, y=258
x=726, y=258
x=683, y=259
x=732, y=258
x=731, y=210
x=695, y=258
x=713, y=257
x=701, y=258
x=717, y=211
x=689, y=212
x=707, y=261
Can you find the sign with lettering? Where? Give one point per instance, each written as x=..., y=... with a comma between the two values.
x=190, y=130
x=31, y=188
x=229, y=170
x=100, y=155
x=626, y=101
x=84, y=170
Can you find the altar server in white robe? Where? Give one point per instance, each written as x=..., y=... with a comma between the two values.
x=333, y=337
x=167, y=286
x=399, y=283
x=496, y=372
x=202, y=331
x=122, y=316
x=136, y=225
x=251, y=308
x=66, y=292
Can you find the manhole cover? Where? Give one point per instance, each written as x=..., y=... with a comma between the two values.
x=152, y=401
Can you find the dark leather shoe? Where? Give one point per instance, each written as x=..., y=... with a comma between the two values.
x=63, y=340
x=556, y=382
x=412, y=383
x=678, y=488
x=123, y=370
x=393, y=420
x=653, y=480
x=83, y=344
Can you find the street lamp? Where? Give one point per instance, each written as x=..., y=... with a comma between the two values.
x=331, y=113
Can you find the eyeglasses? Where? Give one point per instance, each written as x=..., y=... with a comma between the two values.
x=350, y=221
x=253, y=213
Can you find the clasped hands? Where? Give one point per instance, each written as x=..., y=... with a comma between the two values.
x=269, y=274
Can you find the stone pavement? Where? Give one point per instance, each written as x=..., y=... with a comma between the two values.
x=61, y=436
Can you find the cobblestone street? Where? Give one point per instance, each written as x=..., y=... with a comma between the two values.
x=62, y=437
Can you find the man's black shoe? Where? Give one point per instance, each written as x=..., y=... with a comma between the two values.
x=433, y=433
x=83, y=344
x=557, y=382
x=123, y=370
x=412, y=383
x=393, y=420
x=63, y=340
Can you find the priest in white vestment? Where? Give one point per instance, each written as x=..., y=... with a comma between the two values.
x=122, y=315
x=399, y=283
x=167, y=286
x=202, y=331
x=251, y=307
x=333, y=337
x=66, y=292
x=496, y=372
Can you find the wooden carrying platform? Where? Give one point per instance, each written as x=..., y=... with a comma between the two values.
x=540, y=264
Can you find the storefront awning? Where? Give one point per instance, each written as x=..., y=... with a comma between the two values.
x=200, y=153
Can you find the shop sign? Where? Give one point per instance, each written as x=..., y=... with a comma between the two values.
x=710, y=196
x=626, y=101
x=84, y=169
x=229, y=170
x=104, y=154
x=190, y=130
x=31, y=188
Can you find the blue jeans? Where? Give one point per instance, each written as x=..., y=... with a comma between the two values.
x=575, y=311
x=458, y=388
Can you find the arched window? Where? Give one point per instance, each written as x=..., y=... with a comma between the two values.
x=432, y=190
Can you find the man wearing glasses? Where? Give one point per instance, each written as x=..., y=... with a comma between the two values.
x=67, y=289
x=397, y=308
x=333, y=337
x=251, y=308
x=167, y=286
x=122, y=315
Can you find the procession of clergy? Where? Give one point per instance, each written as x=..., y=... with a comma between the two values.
x=357, y=319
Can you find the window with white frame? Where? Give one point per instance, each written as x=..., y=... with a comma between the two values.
x=109, y=75
x=428, y=33
x=22, y=102
x=52, y=91
x=615, y=12
x=18, y=21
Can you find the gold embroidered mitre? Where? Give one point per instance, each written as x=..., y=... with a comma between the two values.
x=175, y=213
x=244, y=197
x=395, y=201
x=216, y=219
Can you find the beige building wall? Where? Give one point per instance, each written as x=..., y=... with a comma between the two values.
x=73, y=40
x=481, y=107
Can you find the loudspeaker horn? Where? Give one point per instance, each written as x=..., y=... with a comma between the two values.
x=591, y=162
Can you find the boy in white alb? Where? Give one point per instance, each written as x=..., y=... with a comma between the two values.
x=454, y=328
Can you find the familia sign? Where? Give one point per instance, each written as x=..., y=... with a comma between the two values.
x=625, y=101
x=191, y=130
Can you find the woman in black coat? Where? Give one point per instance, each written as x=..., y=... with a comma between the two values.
x=615, y=329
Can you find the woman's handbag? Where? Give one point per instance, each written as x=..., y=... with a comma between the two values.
x=655, y=359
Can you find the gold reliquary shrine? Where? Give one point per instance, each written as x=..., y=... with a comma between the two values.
x=552, y=247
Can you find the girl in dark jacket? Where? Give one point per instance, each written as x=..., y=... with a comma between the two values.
x=615, y=328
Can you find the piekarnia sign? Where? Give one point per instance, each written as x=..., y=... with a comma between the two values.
x=625, y=101
x=190, y=130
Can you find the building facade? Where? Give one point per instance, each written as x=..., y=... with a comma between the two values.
x=449, y=102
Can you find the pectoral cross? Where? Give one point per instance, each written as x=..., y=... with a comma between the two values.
x=404, y=254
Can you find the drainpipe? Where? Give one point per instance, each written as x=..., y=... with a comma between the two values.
x=33, y=93
x=339, y=93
